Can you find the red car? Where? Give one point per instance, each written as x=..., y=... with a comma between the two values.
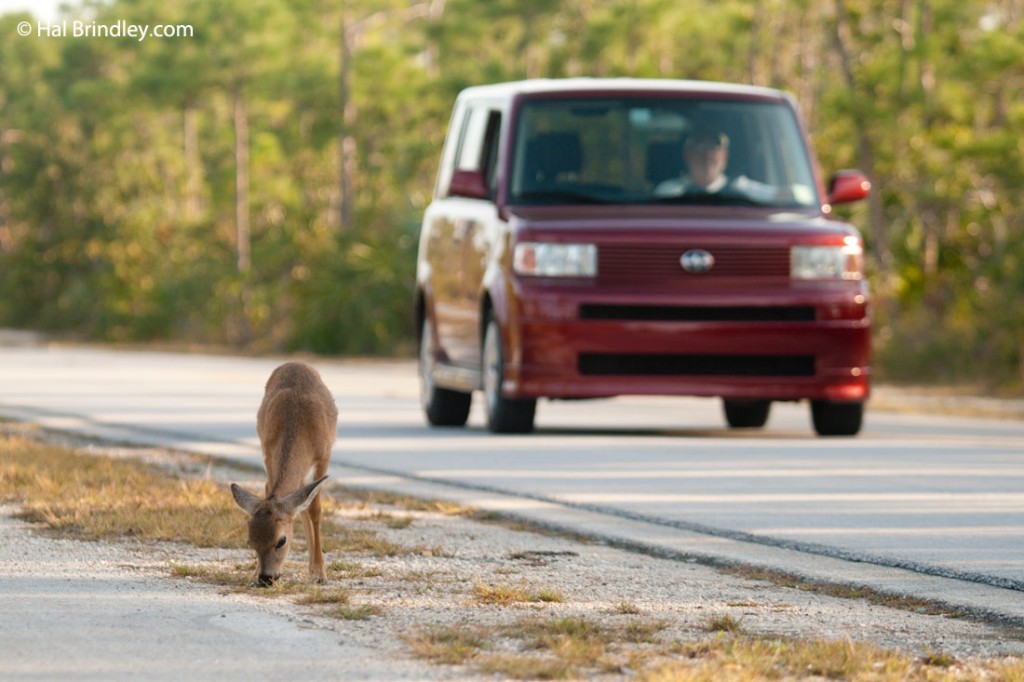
x=591, y=238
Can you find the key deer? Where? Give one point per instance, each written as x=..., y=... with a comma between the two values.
x=297, y=423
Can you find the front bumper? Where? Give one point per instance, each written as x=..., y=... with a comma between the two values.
x=741, y=349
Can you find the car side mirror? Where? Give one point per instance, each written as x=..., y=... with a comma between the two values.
x=847, y=186
x=468, y=184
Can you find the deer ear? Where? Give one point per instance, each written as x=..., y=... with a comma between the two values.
x=303, y=497
x=245, y=499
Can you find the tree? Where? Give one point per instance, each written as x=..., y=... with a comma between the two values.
x=195, y=188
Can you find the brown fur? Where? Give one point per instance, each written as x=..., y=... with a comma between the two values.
x=297, y=423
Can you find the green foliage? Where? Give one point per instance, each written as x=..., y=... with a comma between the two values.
x=133, y=174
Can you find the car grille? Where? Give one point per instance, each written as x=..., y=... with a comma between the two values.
x=619, y=364
x=621, y=263
x=658, y=313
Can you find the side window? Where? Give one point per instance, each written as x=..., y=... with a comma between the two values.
x=490, y=151
x=478, y=144
x=448, y=154
x=470, y=156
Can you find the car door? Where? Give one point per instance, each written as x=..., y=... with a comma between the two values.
x=462, y=223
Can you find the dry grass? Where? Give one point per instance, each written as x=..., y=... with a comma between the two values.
x=579, y=648
x=903, y=602
x=214, y=575
x=351, y=570
x=378, y=498
x=347, y=612
x=508, y=595
x=746, y=659
x=336, y=596
x=449, y=645
x=724, y=623
x=91, y=498
x=569, y=647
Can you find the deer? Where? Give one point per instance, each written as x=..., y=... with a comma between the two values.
x=297, y=423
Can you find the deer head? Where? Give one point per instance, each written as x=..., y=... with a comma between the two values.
x=271, y=526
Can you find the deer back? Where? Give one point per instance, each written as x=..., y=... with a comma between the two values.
x=297, y=423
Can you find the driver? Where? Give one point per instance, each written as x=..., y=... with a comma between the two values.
x=705, y=156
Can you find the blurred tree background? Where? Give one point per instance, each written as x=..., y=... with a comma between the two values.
x=259, y=183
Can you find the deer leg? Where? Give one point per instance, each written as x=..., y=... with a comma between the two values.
x=311, y=520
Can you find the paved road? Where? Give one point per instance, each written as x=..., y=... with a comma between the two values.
x=922, y=504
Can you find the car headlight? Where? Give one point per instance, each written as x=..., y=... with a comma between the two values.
x=543, y=259
x=844, y=262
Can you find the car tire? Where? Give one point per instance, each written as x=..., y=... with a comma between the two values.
x=442, y=406
x=836, y=419
x=746, y=414
x=504, y=415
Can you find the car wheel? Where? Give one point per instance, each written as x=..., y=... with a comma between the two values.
x=442, y=406
x=836, y=419
x=504, y=415
x=746, y=414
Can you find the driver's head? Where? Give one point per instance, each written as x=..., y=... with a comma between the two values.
x=706, y=152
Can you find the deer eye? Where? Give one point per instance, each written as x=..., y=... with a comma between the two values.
x=280, y=543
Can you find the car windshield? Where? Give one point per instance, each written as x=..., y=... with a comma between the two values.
x=660, y=151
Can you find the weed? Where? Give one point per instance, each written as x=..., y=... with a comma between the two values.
x=325, y=595
x=938, y=659
x=507, y=595
x=642, y=632
x=724, y=623
x=528, y=667
x=549, y=596
x=451, y=645
x=346, y=612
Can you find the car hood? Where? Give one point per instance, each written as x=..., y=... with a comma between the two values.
x=735, y=222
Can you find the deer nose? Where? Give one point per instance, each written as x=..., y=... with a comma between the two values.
x=265, y=580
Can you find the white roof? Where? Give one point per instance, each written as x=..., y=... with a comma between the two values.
x=542, y=85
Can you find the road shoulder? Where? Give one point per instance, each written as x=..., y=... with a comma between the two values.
x=86, y=610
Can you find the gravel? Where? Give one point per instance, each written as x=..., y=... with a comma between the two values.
x=112, y=610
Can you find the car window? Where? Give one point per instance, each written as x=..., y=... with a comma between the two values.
x=471, y=142
x=477, y=148
x=631, y=150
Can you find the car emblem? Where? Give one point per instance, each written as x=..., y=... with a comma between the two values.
x=697, y=261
